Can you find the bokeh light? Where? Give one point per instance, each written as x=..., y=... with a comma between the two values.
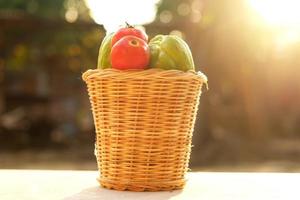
x=71, y=15
x=196, y=14
x=177, y=33
x=166, y=16
x=183, y=9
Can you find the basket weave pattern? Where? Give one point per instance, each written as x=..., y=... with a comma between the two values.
x=144, y=122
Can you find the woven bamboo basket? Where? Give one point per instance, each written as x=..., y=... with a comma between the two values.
x=144, y=122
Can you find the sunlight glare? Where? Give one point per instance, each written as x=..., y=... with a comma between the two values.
x=283, y=16
x=287, y=38
x=278, y=12
x=114, y=13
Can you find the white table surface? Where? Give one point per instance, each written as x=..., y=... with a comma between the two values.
x=75, y=185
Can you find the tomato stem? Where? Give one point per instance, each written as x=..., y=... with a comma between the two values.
x=128, y=25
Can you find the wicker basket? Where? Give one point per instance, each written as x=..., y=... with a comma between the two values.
x=144, y=122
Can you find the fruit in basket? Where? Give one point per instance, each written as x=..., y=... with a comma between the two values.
x=170, y=52
x=130, y=52
x=129, y=30
x=104, y=52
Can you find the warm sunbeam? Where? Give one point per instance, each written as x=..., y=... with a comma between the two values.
x=278, y=12
x=284, y=16
x=113, y=13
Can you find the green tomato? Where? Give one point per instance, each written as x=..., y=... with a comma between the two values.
x=104, y=52
x=170, y=52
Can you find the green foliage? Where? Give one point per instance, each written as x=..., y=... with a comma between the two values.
x=170, y=5
x=46, y=8
x=63, y=45
x=68, y=48
x=43, y=8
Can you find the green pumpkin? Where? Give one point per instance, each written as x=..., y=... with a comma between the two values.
x=170, y=52
x=104, y=52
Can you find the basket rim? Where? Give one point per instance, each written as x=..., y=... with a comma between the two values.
x=143, y=74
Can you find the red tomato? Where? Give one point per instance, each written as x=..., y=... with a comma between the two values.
x=129, y=31
x=130, y=52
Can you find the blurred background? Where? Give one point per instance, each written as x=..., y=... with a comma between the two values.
x=249, y=120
